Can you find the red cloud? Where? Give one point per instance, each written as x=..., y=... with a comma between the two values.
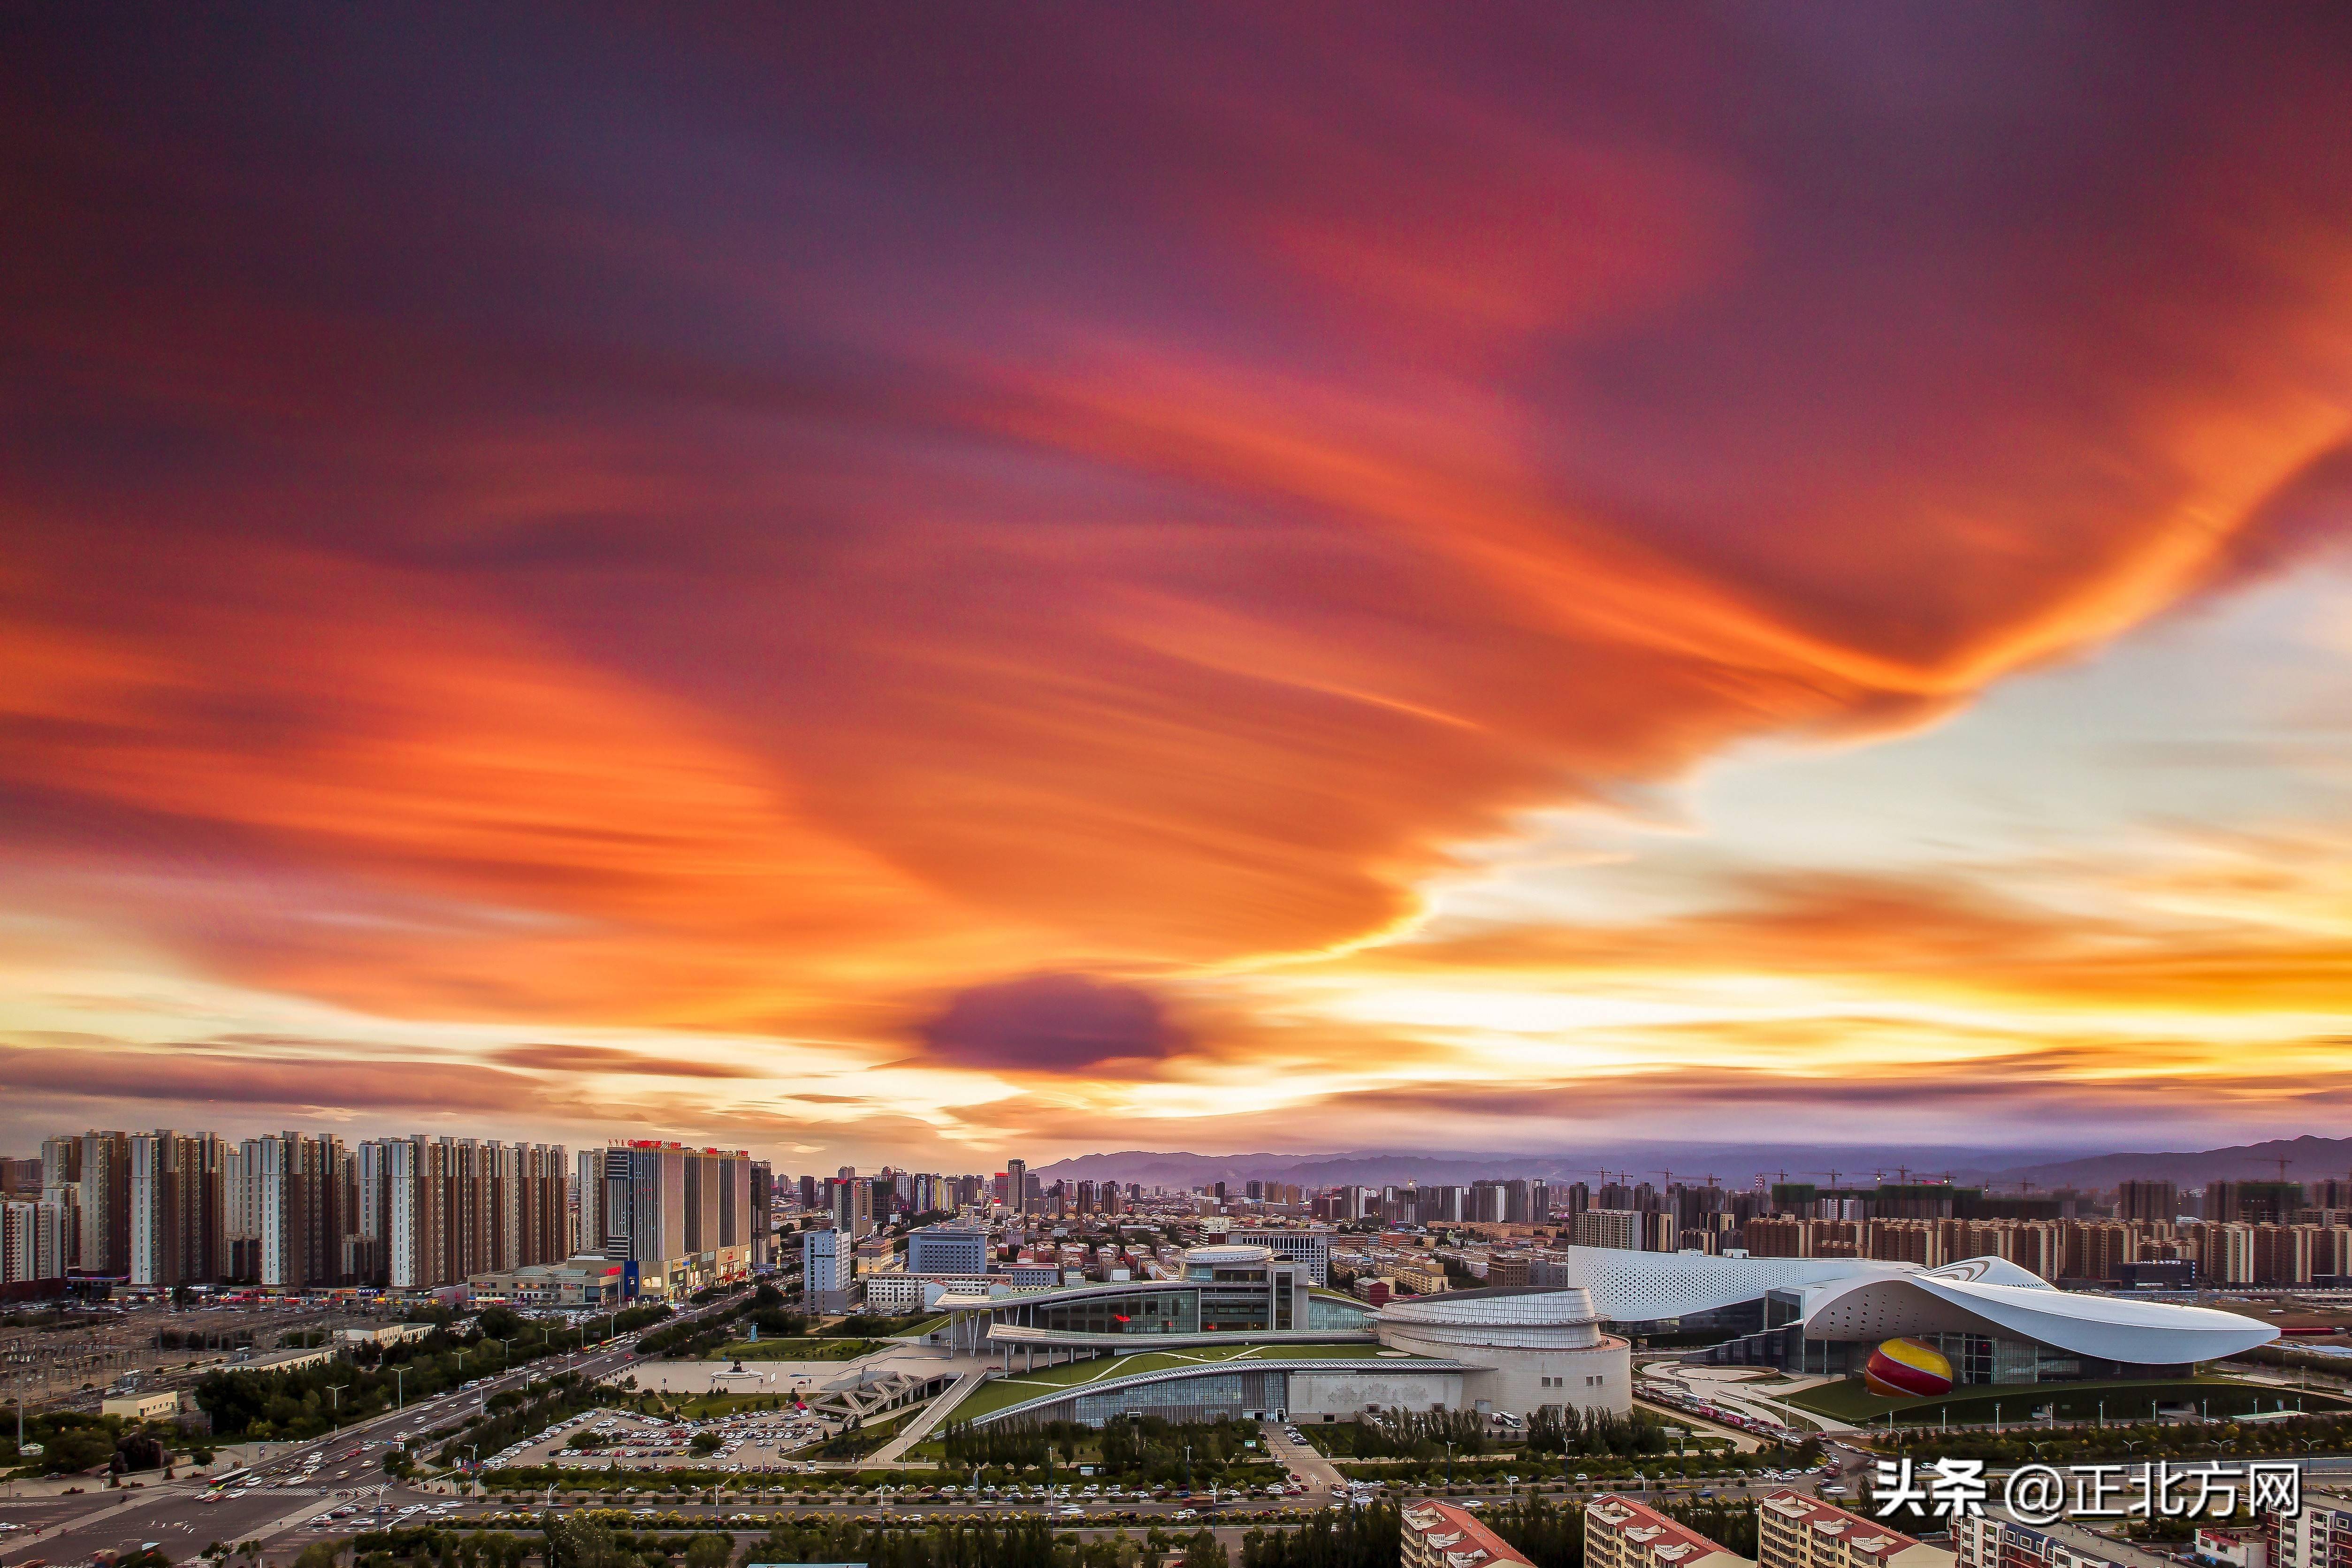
x=829, y=526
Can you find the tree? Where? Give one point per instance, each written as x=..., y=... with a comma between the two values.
x=575, y=1542
x=708, y=1550
x=498, y=1322
x=1204, y=1550
x=318, y=1555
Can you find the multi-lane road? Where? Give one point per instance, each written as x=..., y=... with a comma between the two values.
x=71, y=1529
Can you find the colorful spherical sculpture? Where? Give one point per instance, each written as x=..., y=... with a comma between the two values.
x=1907, y=1369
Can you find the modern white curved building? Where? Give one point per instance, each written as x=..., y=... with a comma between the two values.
x=1996, y=1322
x=1533, y=1347
x=1250, y=1339
x=1992, y=1299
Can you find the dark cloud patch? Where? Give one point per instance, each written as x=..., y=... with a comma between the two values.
x=1053, y=1023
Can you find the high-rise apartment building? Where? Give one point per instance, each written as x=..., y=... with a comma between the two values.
x=852, y=1204
x=103, y=1205
x=302, y=1194
x=1619, y=1227
x=763, y=1214
x=828, y=1268
x=32, y=1240
x=2148, y=1202
x=683, y=1215
x=61, y=1189
x=177, y=1226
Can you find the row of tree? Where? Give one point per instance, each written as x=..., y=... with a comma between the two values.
x=1555, y=1429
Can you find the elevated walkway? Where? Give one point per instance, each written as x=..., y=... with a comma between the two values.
x=928, y=1420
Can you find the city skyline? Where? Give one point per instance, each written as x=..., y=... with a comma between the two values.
x=1124, y=583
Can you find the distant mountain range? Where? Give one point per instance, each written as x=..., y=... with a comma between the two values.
x=2309, y=1158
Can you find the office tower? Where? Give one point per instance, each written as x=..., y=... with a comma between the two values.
x=176, y=1224
x=808, y=1201
x=1016, y=1185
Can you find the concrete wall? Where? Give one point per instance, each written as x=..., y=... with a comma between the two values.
x=1597, y=1377
x=1347, y=1391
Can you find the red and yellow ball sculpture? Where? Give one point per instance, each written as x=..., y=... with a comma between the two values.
x=1908, y=1369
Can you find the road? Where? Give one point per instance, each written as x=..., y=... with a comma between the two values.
x=71, y=1529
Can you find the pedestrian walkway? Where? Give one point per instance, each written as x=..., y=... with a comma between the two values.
x=928, y=1419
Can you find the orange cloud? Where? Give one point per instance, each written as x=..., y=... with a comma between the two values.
x=763, y=556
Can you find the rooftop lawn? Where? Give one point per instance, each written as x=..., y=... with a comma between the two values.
x=2122, y=1401
x=1013, y=1388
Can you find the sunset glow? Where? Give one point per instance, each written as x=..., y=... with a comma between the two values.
x=1135, y=579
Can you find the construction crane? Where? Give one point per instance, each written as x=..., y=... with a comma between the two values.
x=1832, y=1172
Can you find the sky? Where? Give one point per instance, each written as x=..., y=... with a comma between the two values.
x=892, y=587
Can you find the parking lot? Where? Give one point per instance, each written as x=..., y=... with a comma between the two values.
x=748, y=1442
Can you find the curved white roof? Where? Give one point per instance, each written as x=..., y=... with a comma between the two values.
x=1985, y=1295
x=1629, y=1287
x=1518, y=1309
x=1862, y=1299
x=1237, y=1252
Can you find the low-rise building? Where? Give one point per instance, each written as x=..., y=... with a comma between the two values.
x=1440, y=1535
x=1622, y=1533
x=588, y=1281
x=1796, y=1531
x=384, y=1333
x=286, y=1361
x=160, y=1404
x=1983, y=1542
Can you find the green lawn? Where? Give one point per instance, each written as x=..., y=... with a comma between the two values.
x=1016, y=1387
x=793, y=1350
x=2122, y=1401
